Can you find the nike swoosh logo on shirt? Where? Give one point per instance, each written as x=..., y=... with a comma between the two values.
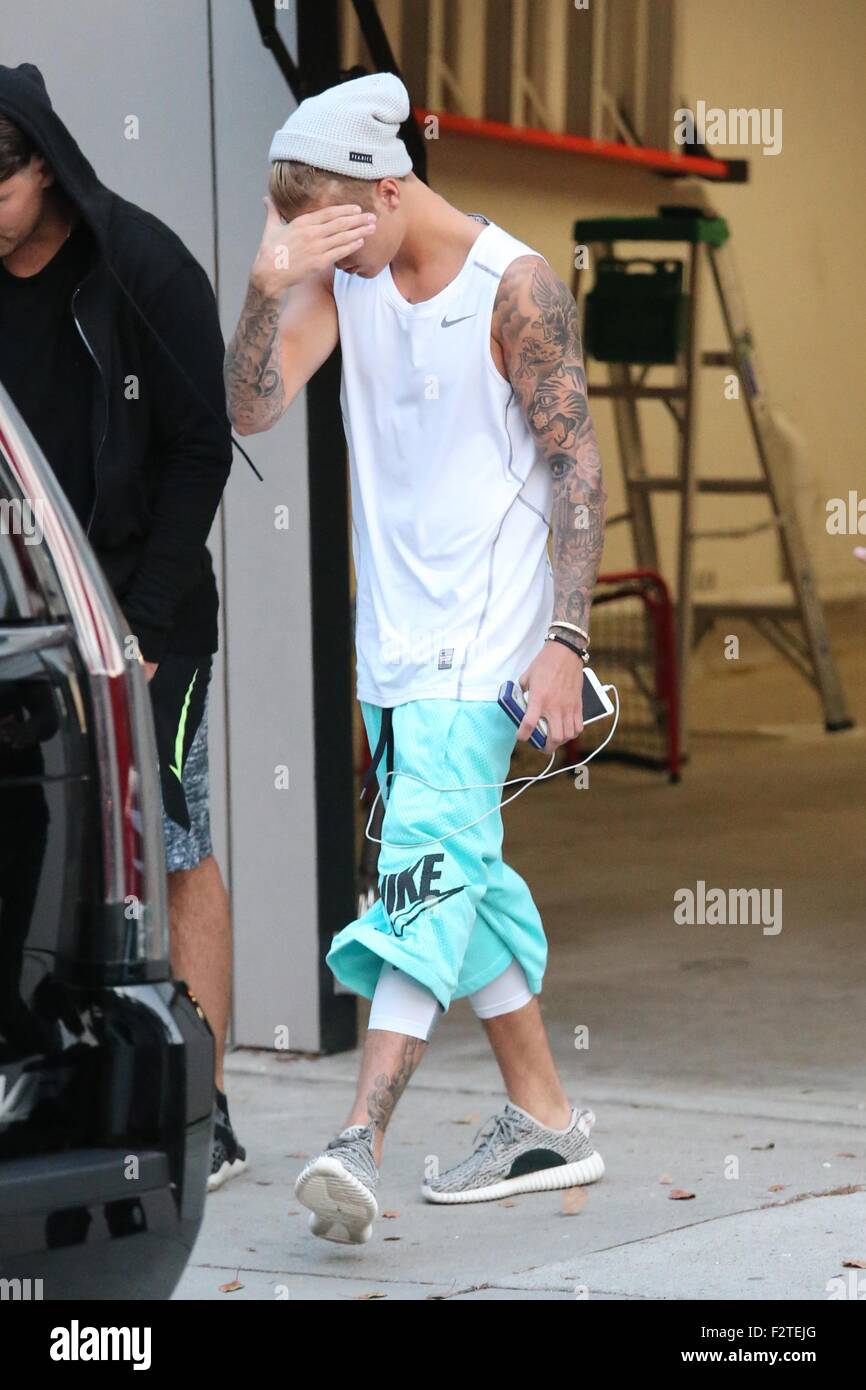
x=449, y=323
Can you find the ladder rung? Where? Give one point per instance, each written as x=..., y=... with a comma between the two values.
x=733, y=485
x=729, y=608
x=717, y=359
x=702, y=484
x=658, y=393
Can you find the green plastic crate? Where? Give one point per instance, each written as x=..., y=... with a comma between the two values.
x=636, y=311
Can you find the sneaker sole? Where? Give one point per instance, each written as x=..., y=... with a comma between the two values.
x=545, y=1180
x=341, y=1207
x=222, y=1175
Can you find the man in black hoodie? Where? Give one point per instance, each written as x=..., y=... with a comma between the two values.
x=110, y=346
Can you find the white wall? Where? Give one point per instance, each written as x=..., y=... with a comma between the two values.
x=798, y=225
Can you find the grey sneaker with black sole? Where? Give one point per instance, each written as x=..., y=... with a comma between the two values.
x=338, y=1186
x=518, y=1154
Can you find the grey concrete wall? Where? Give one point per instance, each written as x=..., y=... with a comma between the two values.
x=104, y=60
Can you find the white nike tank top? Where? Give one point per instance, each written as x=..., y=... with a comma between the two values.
x=450, y=504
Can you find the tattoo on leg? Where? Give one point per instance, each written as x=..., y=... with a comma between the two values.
x=387, y=1090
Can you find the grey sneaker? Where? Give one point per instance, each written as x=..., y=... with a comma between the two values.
x=227, y=1156
x=517, y=1154
x=338, y=1187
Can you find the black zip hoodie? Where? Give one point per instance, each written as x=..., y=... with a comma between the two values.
x=161, y=439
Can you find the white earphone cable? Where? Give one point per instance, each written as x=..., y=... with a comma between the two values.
x=485, y=786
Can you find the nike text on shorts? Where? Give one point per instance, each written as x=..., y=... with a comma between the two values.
x=451, y=913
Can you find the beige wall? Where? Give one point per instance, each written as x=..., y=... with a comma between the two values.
x=798, y=233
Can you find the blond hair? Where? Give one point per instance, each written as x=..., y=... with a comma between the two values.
x=293, y=186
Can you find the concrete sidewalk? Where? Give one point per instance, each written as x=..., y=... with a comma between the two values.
x=737, y=1238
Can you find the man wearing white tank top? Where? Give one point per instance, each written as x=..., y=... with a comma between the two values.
x=470, y=445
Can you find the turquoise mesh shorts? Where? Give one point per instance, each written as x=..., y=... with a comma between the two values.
x=451, y=913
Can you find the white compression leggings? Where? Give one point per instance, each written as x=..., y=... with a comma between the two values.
x=402, y=1005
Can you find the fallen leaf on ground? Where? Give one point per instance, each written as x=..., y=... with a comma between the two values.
x=230, y=1288
x=390, y=1215
x=264, y=1182
x=846, y=1155
x=509, y=1203
x=392, y=1237
x=665, y=1178
x=366, y=1297
x=468, y=1120
x=574, y=1199
x=854, y=1264
x=678, y=1195
x=758, y=1147
x=777, y=1187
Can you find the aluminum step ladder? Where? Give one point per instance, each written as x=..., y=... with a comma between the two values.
x=807, y=646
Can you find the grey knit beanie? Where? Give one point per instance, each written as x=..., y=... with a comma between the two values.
x=350, y=129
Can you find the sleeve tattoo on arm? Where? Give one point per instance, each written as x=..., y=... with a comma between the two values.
x=535, y=320
x=254, y=382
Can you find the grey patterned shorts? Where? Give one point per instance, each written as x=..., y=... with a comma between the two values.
x=184, y=849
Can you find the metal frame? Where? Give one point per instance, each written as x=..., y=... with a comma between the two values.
x=651, y=589
x=455, y=87
x=455, y=81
